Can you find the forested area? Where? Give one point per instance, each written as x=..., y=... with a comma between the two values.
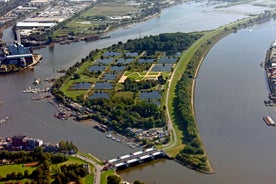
x=167, y=42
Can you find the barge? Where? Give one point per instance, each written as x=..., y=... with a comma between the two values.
x=270, y=69
x=269, y=121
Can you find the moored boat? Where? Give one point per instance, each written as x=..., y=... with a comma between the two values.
x=269, y=121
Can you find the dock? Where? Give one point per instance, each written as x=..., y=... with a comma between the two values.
x=134, y=159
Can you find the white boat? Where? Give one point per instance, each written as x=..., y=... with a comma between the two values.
x=128, y=27
x=269, y=121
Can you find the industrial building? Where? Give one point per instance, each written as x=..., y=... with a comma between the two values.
x=17, y=54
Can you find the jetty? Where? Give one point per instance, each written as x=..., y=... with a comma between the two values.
x=134, y=159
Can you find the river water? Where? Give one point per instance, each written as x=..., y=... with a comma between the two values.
x=229, y=96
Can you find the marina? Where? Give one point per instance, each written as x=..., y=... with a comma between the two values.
x=134, y=159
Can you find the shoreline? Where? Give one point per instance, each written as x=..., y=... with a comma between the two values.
x=105, y=33
x=203, y=46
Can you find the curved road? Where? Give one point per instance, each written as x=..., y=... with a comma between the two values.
x=171, y=129
x=98, y=168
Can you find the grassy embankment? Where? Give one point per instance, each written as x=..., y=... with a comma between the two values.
x=196, y=53
x=92, y=157
x=105, y=174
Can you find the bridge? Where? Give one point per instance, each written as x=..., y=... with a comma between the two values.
x=135, y=158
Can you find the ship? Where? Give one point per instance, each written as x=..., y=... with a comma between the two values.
x=92, y=38
x=96, y=37
x=270, y=69
x=269, y=121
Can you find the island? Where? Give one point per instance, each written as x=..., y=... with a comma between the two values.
x=147, y=83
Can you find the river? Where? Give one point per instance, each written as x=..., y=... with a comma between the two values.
x=229, y=96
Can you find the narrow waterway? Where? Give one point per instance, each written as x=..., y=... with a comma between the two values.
x=229, y=99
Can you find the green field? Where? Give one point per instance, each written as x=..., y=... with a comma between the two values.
x=85, y=24
x=8, y=169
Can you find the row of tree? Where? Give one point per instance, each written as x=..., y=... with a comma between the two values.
x=193, y=153
x=21, y=157
x=163, y=42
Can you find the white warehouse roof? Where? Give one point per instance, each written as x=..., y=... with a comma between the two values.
x=34, y=25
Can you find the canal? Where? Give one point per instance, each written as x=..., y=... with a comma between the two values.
x=230, y=91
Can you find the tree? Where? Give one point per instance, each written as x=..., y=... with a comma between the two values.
x=113, y=179
x=26, y=174
x=76, y=76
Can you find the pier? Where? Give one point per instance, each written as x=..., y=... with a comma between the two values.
x=134, y=159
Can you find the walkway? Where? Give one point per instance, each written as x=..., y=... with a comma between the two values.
x=98, y=168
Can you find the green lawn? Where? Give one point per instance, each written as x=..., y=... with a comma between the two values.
x=126, y=94
x=92, y=157
x=89, y=179
x=8, y=169
x=107, y=10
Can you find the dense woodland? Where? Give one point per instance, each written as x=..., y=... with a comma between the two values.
x=166, y=42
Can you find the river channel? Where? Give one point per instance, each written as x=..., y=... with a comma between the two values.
x=230, y=91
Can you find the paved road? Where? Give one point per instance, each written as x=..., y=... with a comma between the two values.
x=98, y=168
x=173, y=139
